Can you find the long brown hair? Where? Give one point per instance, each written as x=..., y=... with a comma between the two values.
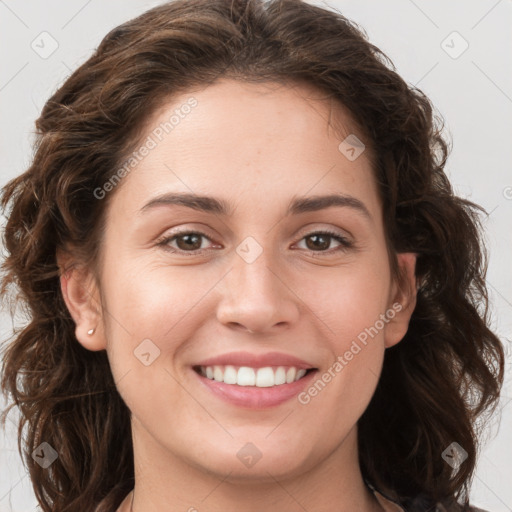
x=435, y=384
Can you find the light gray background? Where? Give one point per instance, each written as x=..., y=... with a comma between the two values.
x=473, y=92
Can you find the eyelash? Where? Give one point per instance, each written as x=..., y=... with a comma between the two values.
x=345, y=243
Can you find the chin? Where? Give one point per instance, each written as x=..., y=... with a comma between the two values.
x=252, y=464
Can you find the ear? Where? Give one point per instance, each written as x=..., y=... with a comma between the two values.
x=81, y=296
x=403, y=299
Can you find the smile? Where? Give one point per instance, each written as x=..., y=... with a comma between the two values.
x=254, y=388
x=265, y=377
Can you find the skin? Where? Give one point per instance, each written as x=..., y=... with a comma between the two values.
x=242, y=143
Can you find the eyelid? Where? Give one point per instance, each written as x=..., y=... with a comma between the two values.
x=319, y=228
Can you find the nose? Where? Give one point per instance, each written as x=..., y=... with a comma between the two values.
x=257, y=296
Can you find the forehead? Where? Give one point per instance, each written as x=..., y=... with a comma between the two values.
x=265, y=141
x=267, y=111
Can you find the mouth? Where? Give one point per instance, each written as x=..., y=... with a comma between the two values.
x=265, y=377
x=251, y=387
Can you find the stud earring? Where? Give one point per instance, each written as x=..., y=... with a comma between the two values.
x=90, y=332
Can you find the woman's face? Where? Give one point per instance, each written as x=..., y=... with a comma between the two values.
x=259, y=287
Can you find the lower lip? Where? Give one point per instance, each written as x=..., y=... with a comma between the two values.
x=252, y=397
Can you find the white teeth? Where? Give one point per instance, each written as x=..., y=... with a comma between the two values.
x=300, y=374
x=246, y=376
x=290, y=375
x=265, y=377
x=279, y=376
x=230, y=375
x=260, y=377
x=218, y=374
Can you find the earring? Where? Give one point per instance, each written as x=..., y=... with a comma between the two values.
x=90, y=332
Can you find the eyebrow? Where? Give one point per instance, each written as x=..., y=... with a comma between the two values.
x=219, y=206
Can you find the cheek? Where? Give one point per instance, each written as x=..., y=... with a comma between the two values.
x=341, y=393
x=152, y=312
x=348, y=299
x=151, y=300
x=350, y=307
x=350, y=303
x=149, y=312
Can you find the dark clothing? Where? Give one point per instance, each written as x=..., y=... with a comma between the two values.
x=418, y=504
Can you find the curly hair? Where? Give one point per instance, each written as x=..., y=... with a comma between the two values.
x=435, y=384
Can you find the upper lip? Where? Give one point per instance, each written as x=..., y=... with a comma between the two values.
x=256, y=360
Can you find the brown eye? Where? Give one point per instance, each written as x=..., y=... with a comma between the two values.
x=186, y=241
x=320, y=241
x=189, y=241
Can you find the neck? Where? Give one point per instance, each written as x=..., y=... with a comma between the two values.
x=164, y=482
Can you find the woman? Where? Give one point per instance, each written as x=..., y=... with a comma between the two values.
x=250, y=283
